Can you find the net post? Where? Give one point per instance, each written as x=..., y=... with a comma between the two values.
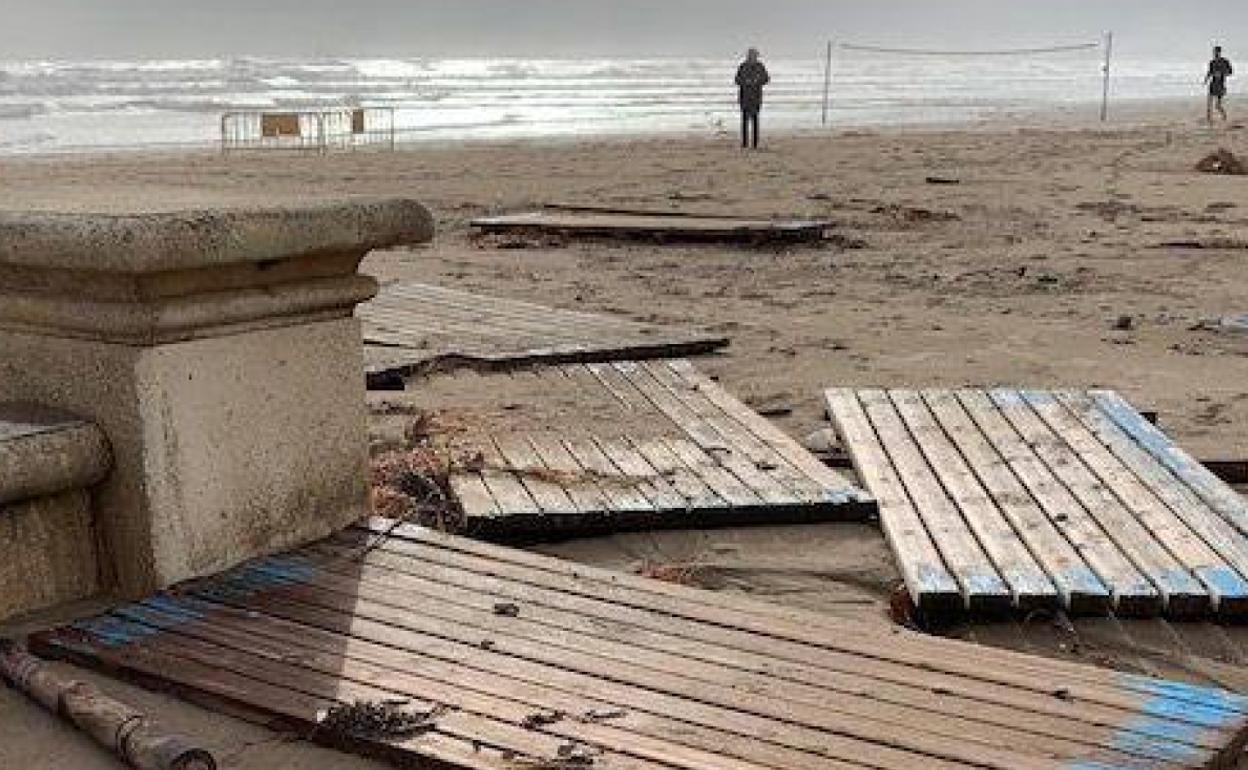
x=1109, y=53
x=827, y=82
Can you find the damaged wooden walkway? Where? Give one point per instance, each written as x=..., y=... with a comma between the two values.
x=655, y=226
x=1002, y=499
x=413, y=326
x=523, y=661
x=694, y=456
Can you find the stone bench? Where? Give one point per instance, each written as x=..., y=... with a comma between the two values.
x=218, y=351
x=49, y=460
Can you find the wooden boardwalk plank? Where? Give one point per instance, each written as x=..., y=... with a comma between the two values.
x=410, y=325
x=533, y=473
x=1080, y=589
x=1183, y=595
x=639, y=674
x=1229, y=504
x=1028, y=583
x=661, y=494
x=982, y=587
x=866, y=647
x=1216, y=532
x=583, y=490
x=1169, y=530
x=1133, y=594
x=654, y=225
x=621, y=491
x=932, y=587
x=697, y=495
x=462, y=589
x=508, y=490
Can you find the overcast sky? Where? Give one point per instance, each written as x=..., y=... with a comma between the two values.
x=561, y=28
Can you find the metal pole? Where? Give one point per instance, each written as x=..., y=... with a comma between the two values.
x=1109, y=52
x=827, y=83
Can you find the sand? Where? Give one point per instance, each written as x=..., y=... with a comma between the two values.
x=1046, y=265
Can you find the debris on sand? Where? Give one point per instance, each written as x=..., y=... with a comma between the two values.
x=942, y=180
x=377, y=720
x=1222, y=162
x=915, y=214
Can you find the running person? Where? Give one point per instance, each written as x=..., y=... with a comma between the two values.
x=751, y=77
x=1219, y=70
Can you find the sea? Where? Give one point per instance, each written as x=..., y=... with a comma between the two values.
x=73, y=106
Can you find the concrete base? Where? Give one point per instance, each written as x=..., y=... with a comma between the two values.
x=224, y=448
x=48, y=554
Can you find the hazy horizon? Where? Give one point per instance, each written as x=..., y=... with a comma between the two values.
x=145, y=29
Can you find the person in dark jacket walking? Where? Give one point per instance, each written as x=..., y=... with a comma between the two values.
x=1219, y=70
x=751, y=77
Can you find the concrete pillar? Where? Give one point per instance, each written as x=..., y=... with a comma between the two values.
x=218, y=352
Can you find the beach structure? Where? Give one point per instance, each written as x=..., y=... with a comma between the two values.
x=317, y=131
x=204, y=367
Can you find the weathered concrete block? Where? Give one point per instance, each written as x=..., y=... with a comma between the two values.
x=218, y=352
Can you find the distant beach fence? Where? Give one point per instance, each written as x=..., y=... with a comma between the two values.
x=318, y=131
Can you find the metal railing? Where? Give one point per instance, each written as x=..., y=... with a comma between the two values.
x=316, y=131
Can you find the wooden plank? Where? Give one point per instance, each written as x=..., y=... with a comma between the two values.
x=1182, y=594
x=651, y=482
x=668, y=227
x=1077, y=584
x=620, y=490
x=584, y=491
x=932, y=587
x=664, y=672
x=708, y=468
x=1169, y=531
x=1028, y=583
x=982, y=587
x=784, y=484
x=1214, y=530
x=698, y=496
x=1229, y=504
x=838, y=488
x=464, y=589
x=777, y=658
x=509, y=492
x=473, y=495
x=809, y=628
x=533, y=473
x=1133, y=594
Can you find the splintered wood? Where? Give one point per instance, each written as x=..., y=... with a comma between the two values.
x=660, y=445
x=504, y=659
x=412, y=326
x=1001, y=499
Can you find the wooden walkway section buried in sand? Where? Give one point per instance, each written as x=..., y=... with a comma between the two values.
x=655, y=226
x=505, y=660
x=671, y=449
x=410, y=326
x=1002, y=499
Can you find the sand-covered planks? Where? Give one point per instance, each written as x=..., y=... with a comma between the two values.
x=655, y=226
x=1028, y=498
x=519, y=660
x=410, y=327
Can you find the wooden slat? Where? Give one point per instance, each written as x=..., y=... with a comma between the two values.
x=473, y=495
x=1078, y=585
x=1183, y=595
x=510, y=494
x=620, y=490
x=697, y=494
x=669, y=227
x=649, y=481
x=1203, y=520
x=521, y=457
x=464, y=589
x=584, y=491
x=1028, y=583
x=707, y=467
x=810, y=628
x=1224, y=586
x=981, y=585
x=1226, y=501
x=1133, y=594
x=932, y=587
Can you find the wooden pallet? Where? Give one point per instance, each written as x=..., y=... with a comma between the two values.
x=1001, y=499
x=526, y=661
x=413, y=326
x=714, y=462
x=656, y=226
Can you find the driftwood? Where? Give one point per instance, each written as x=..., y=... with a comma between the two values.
x=115, y=726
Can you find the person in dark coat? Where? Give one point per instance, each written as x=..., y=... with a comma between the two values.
x=751, y=77
x=1219, y=70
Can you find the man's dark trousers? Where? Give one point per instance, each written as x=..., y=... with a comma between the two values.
x=749, y=120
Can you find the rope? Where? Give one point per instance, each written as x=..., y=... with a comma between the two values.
x=1004, y=52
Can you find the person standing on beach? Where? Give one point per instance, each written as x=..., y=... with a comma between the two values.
x=1219, y=70
x=751, y=77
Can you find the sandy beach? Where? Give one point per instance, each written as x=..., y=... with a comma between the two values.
x=1068, y=255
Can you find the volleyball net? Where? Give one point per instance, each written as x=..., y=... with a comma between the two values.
x=1099, y=51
